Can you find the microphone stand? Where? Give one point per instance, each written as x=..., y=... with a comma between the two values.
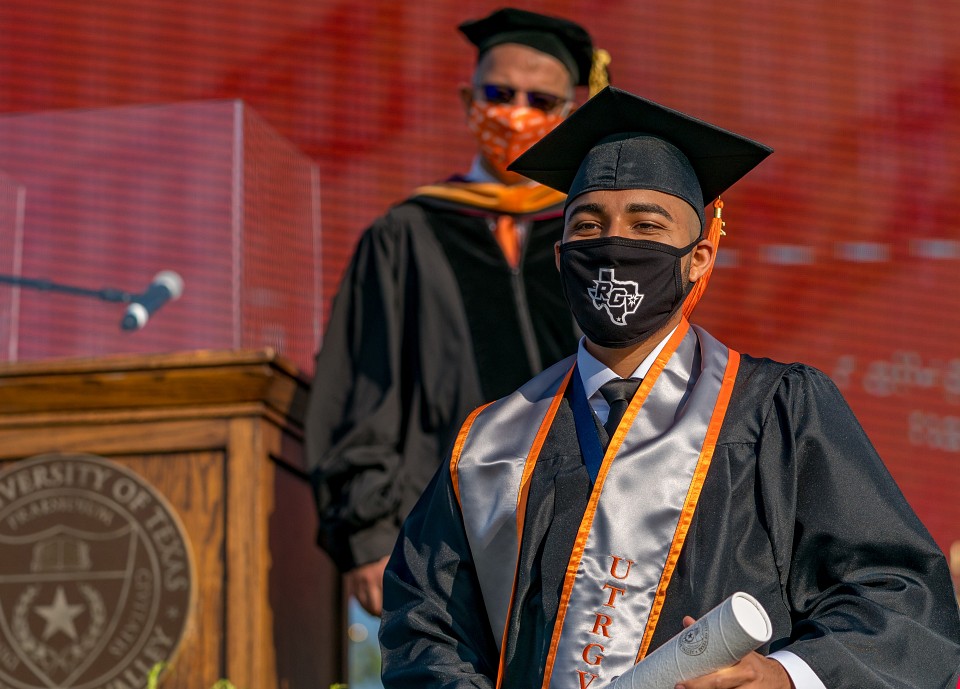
x=106, y=294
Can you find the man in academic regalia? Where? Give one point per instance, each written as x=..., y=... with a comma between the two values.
x=584, y=519
x=451, y=300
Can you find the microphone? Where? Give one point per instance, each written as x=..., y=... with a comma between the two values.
x=165, y=286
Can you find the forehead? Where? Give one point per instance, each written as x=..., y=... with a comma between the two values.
x=523, y=68
x=635, y=200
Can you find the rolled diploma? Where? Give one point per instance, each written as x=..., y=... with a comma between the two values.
x=717, y=640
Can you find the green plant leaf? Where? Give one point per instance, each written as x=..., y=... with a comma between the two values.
x=153, y=677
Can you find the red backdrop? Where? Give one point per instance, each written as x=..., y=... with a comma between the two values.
x=842, y=248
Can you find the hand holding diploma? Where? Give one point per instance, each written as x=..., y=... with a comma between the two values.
x=715, y=652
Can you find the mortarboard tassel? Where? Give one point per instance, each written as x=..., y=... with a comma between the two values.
x=599, y=74
x=713, y=234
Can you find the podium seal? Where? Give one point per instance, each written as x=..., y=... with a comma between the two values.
x=96, y=578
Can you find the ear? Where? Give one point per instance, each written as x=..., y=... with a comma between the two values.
x=701, y=259
x=556, y=255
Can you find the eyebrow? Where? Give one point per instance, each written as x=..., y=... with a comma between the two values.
x=649, y=208
x=586, y=208
x=631, y=208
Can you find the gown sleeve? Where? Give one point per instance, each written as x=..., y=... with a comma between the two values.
x=354, y=415
x=434, y=631
x=869, y=591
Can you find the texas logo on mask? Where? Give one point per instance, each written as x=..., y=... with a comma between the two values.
x=619, y=298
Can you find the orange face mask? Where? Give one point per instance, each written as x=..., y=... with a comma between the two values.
x=505, y=131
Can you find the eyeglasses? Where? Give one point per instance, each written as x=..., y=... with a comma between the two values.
x=501, y=95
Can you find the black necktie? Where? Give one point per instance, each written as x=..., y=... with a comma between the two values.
x=618, y=394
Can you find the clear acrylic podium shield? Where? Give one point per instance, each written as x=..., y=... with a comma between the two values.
x=110, y=197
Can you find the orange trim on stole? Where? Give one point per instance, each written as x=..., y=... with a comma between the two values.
x=522, y=504
x=458, y=448
x=586, y=524
x=693, y=495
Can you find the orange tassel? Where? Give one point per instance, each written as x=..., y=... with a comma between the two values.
x=599, y=71
x=714, y=232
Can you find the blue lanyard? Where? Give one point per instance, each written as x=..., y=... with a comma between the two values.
x=587, y=436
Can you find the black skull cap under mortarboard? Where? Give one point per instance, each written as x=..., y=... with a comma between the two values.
x=563, y=39
x=617, y=140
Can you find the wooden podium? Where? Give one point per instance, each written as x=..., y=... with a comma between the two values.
x=219, y=436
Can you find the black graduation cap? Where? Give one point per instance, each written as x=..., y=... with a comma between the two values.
x=617, y=140
x=563, y=39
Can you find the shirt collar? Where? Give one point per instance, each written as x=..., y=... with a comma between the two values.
x=478, y=174
x=594, y=374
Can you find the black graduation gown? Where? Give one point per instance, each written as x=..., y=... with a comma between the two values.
x=797, y=509
x=429, y=322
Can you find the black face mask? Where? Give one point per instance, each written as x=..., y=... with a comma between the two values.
x=621, y=290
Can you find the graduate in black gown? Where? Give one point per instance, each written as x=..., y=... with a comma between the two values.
x=451, y=299
x=581, y=519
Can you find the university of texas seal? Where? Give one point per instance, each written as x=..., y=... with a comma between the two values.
x=96, y=578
